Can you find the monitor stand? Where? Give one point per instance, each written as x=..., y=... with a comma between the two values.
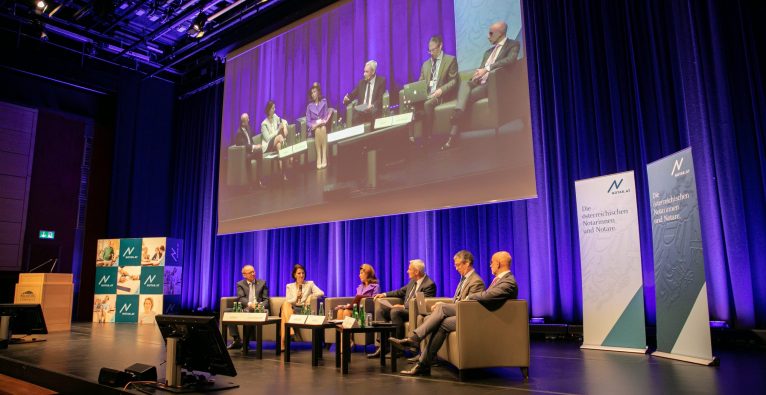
x=5, y=334
x=180, y=381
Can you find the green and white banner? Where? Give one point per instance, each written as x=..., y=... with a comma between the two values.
x=683, y=321
x=136, y=279
x=610, y=261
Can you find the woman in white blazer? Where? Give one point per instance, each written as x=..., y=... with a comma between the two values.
x=299, y=294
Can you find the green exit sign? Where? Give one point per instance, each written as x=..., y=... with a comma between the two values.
x=47, y=234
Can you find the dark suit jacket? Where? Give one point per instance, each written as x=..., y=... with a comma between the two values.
x=261, y=292
x=473, y=284
x=377, y=92
x=507, y=55
x=242, y=138
x=428, y=287
x=495, y=296
x=448, y=78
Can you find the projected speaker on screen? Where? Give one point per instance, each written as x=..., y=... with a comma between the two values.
x=376, y=116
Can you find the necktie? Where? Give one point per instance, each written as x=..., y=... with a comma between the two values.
x=433, y=75
x=251, y=296
x=368, y=93
x=410, y=294
x=459, y=288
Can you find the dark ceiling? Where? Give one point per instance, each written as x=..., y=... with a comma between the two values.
x=153, y=37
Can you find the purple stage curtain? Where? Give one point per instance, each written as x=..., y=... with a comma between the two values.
x=614, y=85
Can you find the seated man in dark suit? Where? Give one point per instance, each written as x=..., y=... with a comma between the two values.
x=398, y=314
x=244, y=138
x=440, y=70
x=442, y=320
x=504, y=52
x=250, y=292
x=369, y=94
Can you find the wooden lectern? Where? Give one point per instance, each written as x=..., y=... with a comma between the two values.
x=53, y=291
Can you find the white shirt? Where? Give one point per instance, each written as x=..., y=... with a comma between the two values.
x=309, y=290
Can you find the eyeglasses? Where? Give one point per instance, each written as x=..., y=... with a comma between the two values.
x=246, y=273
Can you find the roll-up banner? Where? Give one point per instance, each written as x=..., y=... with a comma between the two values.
x=610, y=260
x=683, y=321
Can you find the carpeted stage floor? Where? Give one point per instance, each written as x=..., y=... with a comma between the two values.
x=70, y=362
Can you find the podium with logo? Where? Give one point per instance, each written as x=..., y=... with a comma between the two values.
x=137, y=279
x=53, y=291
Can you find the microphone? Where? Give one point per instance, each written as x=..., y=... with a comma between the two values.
x=53, y=265
x=40, y=265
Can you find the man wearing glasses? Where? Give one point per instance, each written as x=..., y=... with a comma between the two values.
x=504, y=52
x=440, y=70
x=250, y=292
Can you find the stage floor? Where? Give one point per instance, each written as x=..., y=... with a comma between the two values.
x=69, y=362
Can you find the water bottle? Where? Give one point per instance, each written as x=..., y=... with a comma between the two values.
x=321, y=309
x=235, y=307
x=355, y=314
x=362, y=316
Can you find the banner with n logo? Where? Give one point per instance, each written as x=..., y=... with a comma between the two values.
x=610, y=260
x=135, y=276
x=130, y=252
x=126, y=309
x=152, y=280
x=106, y=280
x=683, y=321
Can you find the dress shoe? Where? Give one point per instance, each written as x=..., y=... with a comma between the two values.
x=404, y=344
x=417, y=370
x=235, y=345
x=413, y=359
x=449, y=144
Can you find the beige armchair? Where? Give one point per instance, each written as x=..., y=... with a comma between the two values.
x=486, y=338
x=359, y=338
x=411, y=323
x=275, y=303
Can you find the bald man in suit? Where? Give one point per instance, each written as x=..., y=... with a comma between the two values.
x=442, y=320
x=503, y=53
x=441, y=73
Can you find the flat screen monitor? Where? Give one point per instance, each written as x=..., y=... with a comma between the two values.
x=25, y=319
x=201, y=346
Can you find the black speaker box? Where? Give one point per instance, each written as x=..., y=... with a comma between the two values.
x=113, y=378
x=141, y=372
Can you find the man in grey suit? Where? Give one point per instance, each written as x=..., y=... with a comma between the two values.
x=442, y=320
x=398, y=314
x=440, y=70
x=250, y=292
x=504, y=52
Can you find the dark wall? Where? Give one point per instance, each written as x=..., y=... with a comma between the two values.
x=54, y=189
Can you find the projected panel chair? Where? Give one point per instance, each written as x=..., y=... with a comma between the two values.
x=350, y=108
x=506, y=88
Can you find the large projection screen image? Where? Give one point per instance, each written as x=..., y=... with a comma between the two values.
x=372, y=108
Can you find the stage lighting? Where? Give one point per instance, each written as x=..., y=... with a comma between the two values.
x=196, y=30
x=40, y=6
